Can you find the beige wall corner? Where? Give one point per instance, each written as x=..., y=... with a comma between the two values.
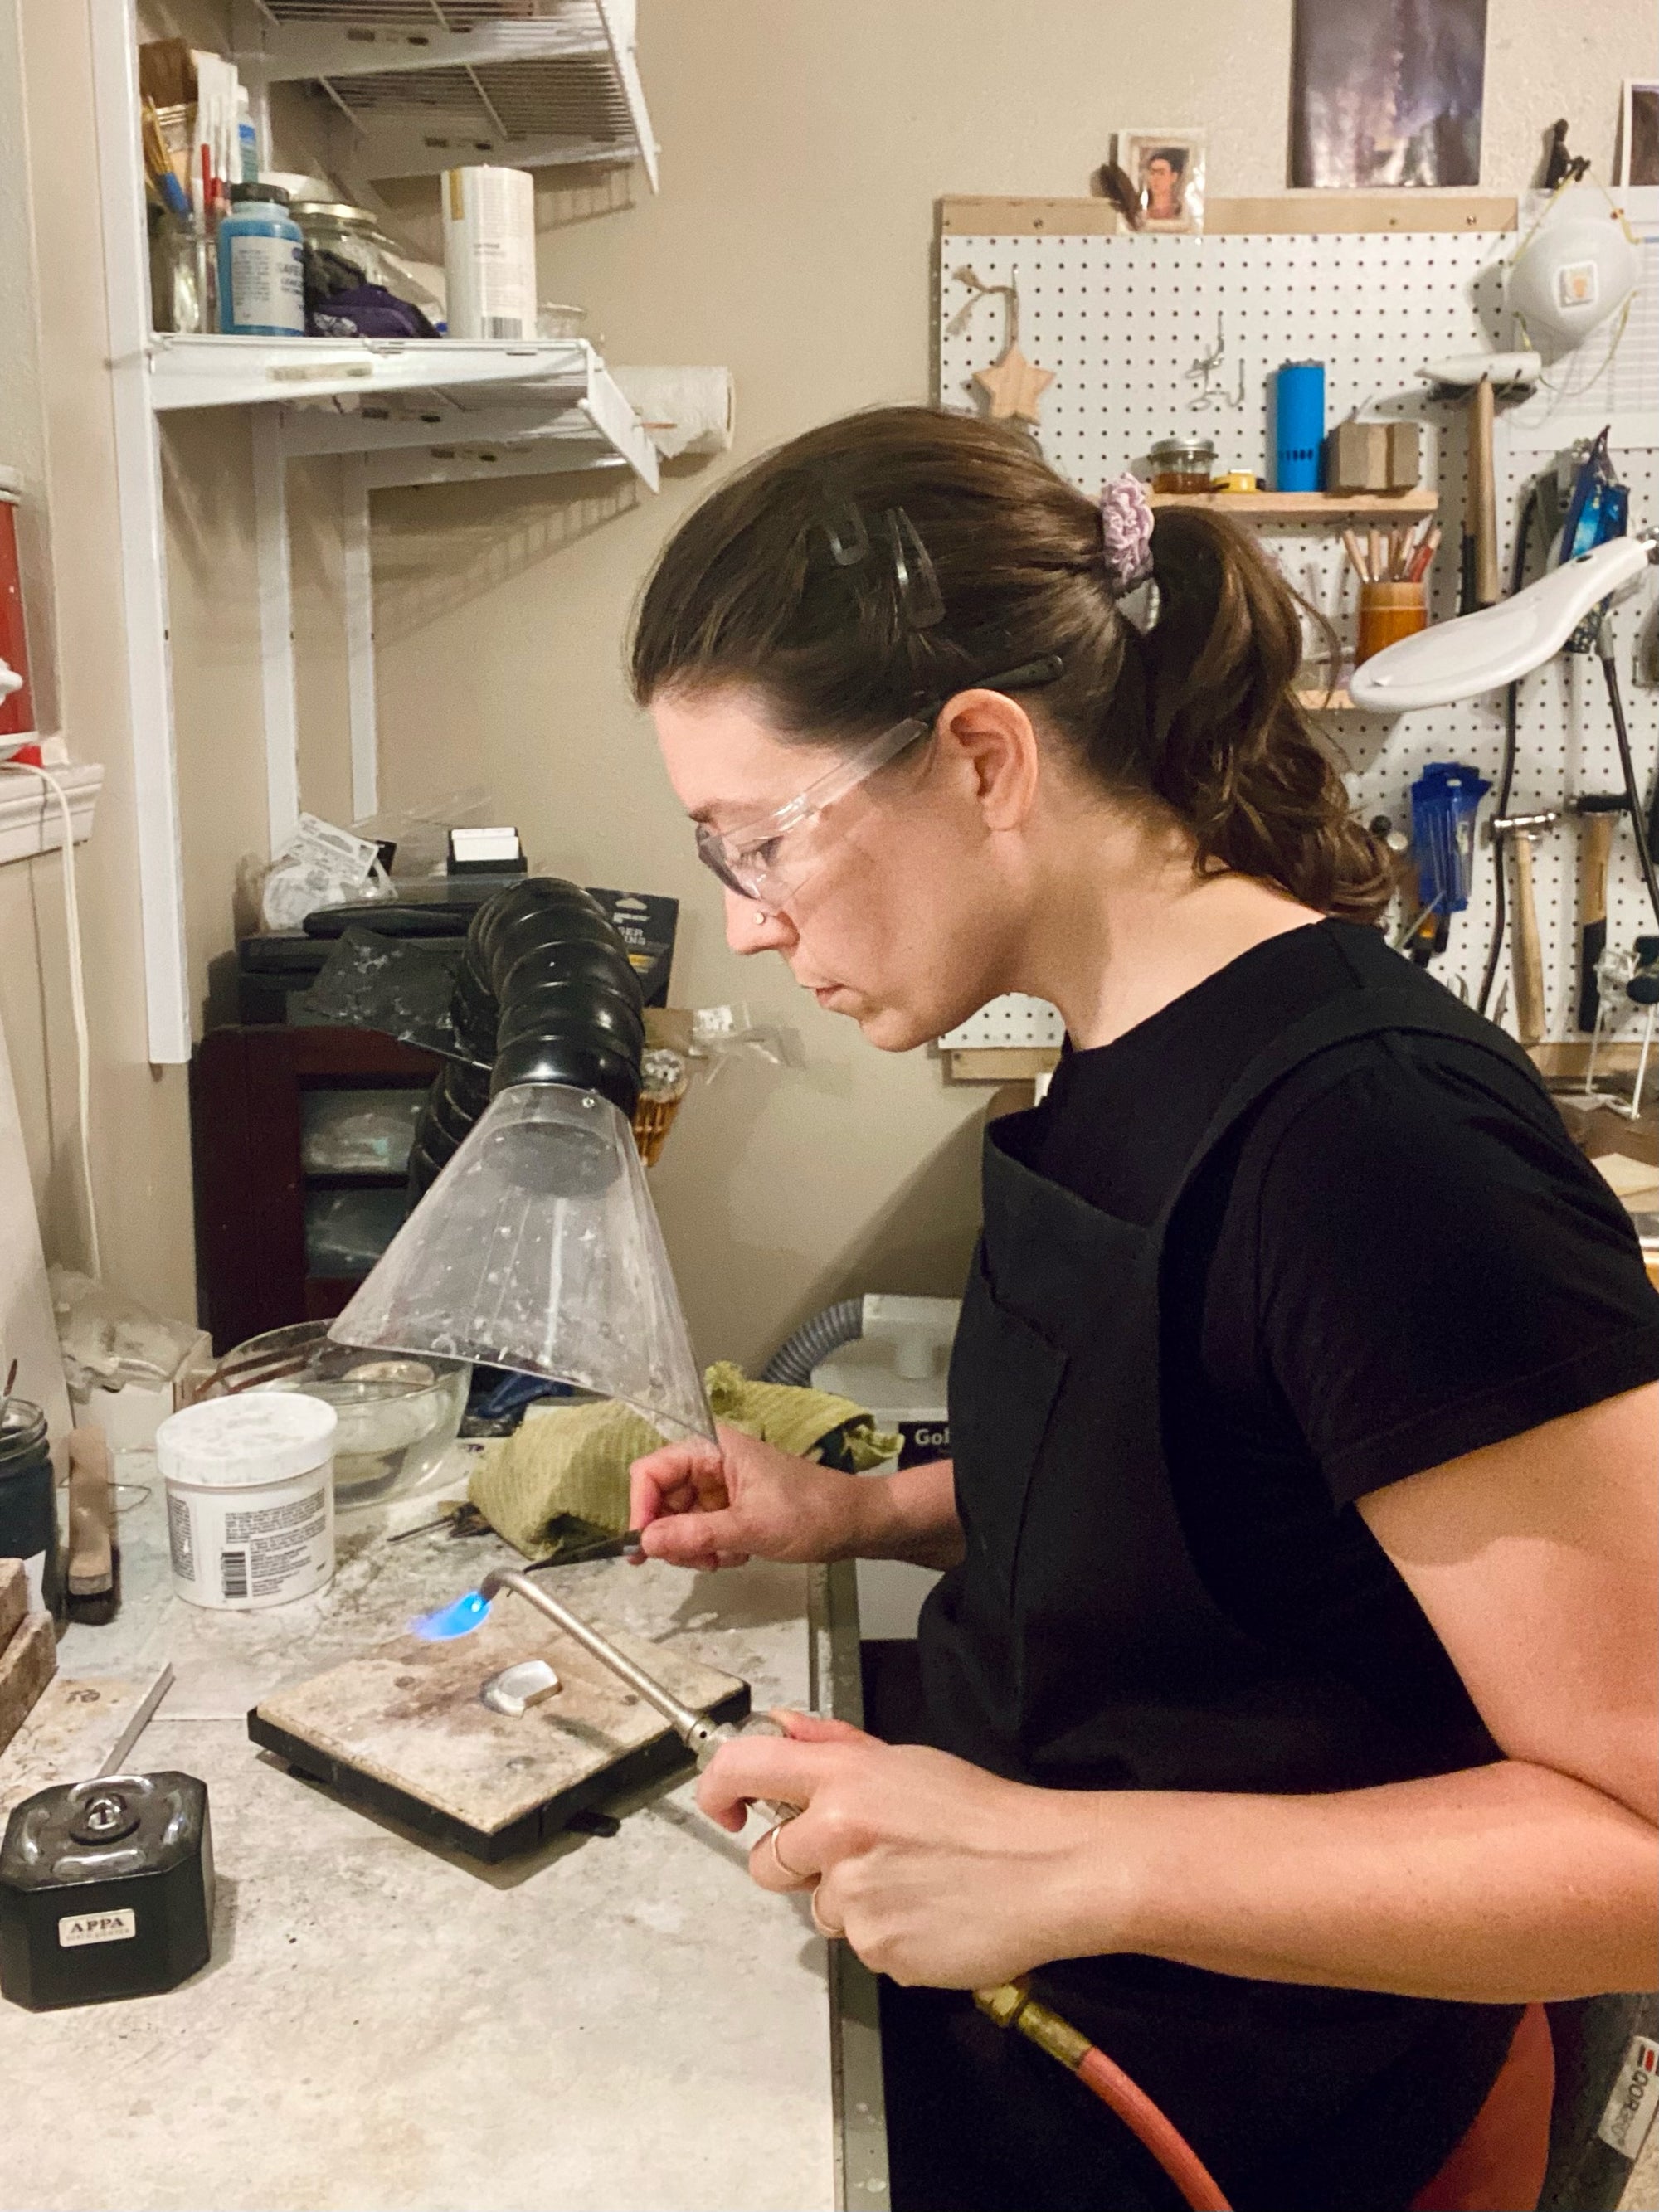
x=56, y=395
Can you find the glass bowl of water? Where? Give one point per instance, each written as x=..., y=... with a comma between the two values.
x=398, y=1414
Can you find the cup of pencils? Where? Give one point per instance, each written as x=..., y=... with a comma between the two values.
x=1393, y=567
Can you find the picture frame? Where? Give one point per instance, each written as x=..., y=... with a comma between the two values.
x=1386, y=94
x=1639, y=132
x=1166, y=168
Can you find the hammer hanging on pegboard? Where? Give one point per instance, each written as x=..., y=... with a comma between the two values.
x=1600, y=811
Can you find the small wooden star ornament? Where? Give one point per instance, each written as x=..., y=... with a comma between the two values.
x=1014, y=386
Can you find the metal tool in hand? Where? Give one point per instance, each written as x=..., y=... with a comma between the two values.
x=702, y=1736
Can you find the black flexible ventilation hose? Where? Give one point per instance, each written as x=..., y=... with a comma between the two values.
x=544, y=993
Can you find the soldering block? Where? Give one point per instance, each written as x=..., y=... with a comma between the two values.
x=404, y=1730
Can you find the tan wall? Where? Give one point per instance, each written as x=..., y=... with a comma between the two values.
x=54, y=389
x=803, y=146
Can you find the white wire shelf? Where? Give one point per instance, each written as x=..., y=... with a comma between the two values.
x=423, y=84
x=550, y=407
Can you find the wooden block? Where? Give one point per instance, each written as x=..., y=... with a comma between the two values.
x=1313, y=213
x=14, y=1598
x=26, y=1665
x=1000, y=1063
x=403, y=1729
x=1357, y=456
x=1405, y=455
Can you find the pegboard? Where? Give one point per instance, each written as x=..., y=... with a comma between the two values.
x=1119, y=319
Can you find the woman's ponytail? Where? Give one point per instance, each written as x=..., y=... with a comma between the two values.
x=1231, y=752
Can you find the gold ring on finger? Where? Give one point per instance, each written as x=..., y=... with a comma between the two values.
x=794, y=1873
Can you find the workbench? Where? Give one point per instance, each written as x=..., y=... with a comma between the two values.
x=609, y=2023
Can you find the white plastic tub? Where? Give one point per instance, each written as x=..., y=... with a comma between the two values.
x=250, y=1489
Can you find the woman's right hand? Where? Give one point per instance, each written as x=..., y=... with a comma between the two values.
x=700, y=1508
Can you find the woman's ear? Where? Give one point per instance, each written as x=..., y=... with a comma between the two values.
x=990, y=739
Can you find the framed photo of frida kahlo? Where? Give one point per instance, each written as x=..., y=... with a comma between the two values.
x=1166, y=170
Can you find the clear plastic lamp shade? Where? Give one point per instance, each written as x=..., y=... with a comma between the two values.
x=538, y=1249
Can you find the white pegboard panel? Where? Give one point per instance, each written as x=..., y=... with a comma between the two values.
x=1119, y=319
x=1017, y=1019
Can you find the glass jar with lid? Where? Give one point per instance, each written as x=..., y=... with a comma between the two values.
x=1184, y=463
x=28, y=1503
x=345, y=239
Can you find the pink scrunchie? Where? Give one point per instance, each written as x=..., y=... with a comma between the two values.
x=1126, y=530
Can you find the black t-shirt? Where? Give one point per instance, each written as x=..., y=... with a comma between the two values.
x=1400, y=1257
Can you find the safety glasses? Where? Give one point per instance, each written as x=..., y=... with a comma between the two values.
x=767, y=861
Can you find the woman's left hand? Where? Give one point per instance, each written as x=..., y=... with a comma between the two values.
x=935, y=1871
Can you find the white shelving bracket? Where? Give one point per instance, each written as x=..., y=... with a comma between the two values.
x=275, y=627
x=143, y=536
x=358, y=593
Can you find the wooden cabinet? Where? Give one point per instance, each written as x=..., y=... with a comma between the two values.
x=267, y=1244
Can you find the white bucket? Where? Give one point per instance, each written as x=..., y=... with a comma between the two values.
x=250, y=1485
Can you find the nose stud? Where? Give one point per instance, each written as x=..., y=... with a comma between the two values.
x=760, y=917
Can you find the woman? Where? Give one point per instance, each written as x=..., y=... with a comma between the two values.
x=1288, y=1701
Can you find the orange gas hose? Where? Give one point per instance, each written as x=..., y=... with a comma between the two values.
x=1011, y=2005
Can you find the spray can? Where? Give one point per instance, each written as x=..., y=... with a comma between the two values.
x=262, y=292
x=489, y=252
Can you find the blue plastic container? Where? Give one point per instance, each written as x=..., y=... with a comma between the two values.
x=262, y=292
x=1298, y=426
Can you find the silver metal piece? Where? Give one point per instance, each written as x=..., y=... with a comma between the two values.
x=516, y=1688
x=701, y=1737
x=1527, y=825
x=685, y=1723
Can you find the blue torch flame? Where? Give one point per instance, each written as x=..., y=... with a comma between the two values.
x=459, y=1619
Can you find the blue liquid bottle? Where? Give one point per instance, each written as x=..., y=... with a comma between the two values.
x=262, y=292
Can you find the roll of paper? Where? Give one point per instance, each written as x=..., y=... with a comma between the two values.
x=489, y=252
x=685, y=410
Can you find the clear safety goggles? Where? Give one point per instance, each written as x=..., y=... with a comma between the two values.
x=767, y=861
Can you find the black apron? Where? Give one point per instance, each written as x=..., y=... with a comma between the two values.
x=1077, y=1646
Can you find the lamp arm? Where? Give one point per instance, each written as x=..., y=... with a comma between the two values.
x=1499, y=645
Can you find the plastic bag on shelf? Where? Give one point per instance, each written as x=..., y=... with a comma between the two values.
x=320, y=865
x=722, y=1035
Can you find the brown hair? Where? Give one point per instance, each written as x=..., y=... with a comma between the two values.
x=868, y=570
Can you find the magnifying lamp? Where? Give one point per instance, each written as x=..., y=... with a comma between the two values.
x=1499, y=645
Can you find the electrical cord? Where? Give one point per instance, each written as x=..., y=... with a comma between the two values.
x=77, y=998
x=1604, y=647
x=1506, y=771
